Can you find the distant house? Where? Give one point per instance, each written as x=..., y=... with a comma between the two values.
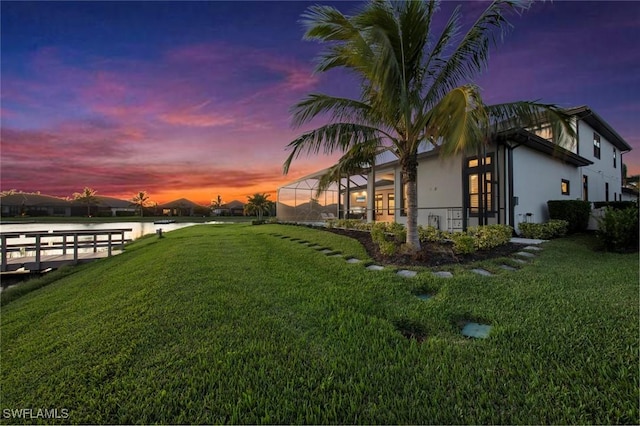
x=180, y=207
x=509, y=182
x=116, y=206
x=235, y=208
x=22, y=204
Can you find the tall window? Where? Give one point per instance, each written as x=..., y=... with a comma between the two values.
x=606, y=191
x=564, y=187
x=391, y=203
x=615, y=155
x=585, y=187
x=596, y=145
x=378, y=203
x=479, y=182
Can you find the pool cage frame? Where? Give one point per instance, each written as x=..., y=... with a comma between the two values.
x=297, y=200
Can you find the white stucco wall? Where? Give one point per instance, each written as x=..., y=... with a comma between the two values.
x=602, y=170
x=537, y=178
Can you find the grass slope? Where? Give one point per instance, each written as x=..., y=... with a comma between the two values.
x=234, y=324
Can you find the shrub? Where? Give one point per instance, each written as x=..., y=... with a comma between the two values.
x=463, y=243
x=575, y=212
x=616, y=205
x=490, y=236
x=544, y=231
x=430, y=234
x=618, y=229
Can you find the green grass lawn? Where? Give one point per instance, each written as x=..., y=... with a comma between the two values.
x=234, y=324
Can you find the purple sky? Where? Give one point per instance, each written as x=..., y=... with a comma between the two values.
x=191, y=99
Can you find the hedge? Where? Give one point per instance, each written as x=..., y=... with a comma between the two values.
x=576, y=212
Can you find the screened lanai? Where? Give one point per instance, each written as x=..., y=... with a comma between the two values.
x=368, y=194
x=299, y=201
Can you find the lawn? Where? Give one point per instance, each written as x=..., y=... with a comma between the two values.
x=235, y=324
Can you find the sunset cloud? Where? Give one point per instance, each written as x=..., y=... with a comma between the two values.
x=174, y=105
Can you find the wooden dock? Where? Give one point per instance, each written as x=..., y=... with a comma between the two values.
x=69, y=247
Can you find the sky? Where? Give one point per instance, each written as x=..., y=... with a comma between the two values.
x=192, y=99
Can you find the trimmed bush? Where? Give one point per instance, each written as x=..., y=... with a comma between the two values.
x=616, y=205
x=463, y=243
x=575, y=212
x=430, y=234
x=544, y=231
x=490, y=236
x=618, y=229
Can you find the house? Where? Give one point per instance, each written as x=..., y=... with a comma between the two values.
x=179, y=207
x=24, y=204
x=509, y=182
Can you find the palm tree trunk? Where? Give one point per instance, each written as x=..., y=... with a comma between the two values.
x=410, y=176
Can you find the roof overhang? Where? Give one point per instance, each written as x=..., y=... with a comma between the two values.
x=587, y=115
x=539, y=144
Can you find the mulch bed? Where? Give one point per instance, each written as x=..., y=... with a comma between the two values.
x=431, y=254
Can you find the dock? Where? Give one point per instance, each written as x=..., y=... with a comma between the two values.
x=36, y=251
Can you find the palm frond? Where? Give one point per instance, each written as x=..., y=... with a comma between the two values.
x=533, y=116
x=330, y=138
x=459, y=122
x=338, y=109
x=356, y=160
x=471, y=55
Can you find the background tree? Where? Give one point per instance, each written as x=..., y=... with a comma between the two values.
x=88, y=197
x=415, y=89
x=141, y=199
x=216, y=204
x=258, y=204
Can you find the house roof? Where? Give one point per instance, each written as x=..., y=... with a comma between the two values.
x=114, y=202
x=235, y=204
x=587, y=115
x=181, y=203
x=33, y=200
x=542, y=145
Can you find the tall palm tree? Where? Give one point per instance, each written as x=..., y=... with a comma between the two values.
x=258, y=204
x=88, y=197
x=415, y=89
x=141, y=200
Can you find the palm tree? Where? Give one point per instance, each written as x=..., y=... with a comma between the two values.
x=87, y=196
x=141, y=199
x=415, y=89
x=258, y=204
x=216, y=204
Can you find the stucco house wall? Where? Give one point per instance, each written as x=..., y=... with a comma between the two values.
x=537, y=178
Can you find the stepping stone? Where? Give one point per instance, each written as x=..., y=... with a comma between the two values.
x=406, y=273
x=375, y=268
x=508, y=268
x=443, y=274
x=525, y=254
x=532, y=248
x=526, y=241
x=424, y=296
x=353, y=260
x=519, y=260
x=475, y=330
x=482, y=272
x=326, y=251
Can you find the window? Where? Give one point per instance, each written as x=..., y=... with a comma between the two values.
x=606, y=191
x=378, y=203
x=480, y=186
x=596, y=145
x=564, y=187
x=615, y=155
x=585, y=187
x=391, y=203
